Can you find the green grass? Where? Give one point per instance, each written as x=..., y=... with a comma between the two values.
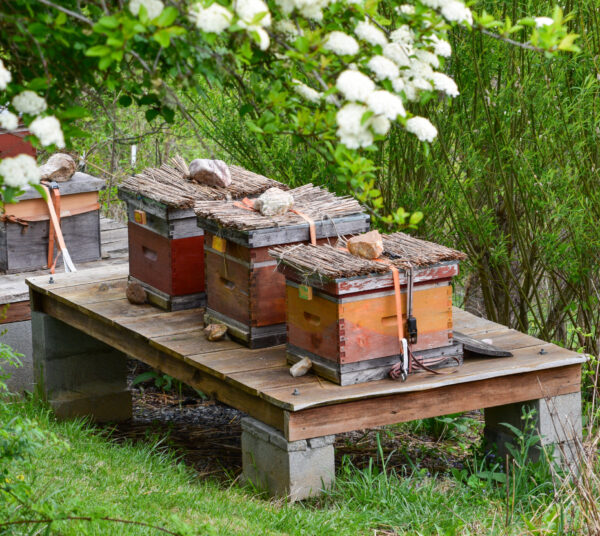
x=94, y=476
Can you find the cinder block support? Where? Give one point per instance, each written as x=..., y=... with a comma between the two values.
x=293, y=469
x=557, y=421
x=77, y=374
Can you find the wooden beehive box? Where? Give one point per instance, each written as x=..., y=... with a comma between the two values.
x=166, y=246
x=25, y=226
x=341, y=311
x=244, y=289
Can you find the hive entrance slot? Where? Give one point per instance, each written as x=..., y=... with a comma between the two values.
x=314, y=320
x=150, y=254
x=227, y=283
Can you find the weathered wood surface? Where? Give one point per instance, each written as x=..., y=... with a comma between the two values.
x=258, y=381
x=113, y=237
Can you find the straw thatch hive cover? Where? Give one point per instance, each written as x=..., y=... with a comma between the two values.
x=327, y=262
x=169, y=185
x=312, y=201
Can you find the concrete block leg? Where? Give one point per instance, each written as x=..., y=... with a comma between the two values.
x=557, y=421
x=77, y=374
x=293, y=469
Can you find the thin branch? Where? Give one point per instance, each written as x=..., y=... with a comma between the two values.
x=510, y=41
x=67, y=12
x=86, y=518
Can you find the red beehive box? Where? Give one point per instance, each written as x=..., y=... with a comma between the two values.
x=341, y=309
x=166, y=247
x=12, y=143
x=244, y=289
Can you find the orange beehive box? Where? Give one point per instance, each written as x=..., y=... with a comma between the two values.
x=244, y=289
x=342, y=313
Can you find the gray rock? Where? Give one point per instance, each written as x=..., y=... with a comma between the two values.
x=301, y=368
x=210, y=172
x=60, y=167
x=215, y=332
x=368, y=245
x=135, y=293
x=274, y=202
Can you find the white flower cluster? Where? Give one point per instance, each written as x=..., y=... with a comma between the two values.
x=451, y=10
x=215, y=18
x=19, y=171
x=48, y=131
x=310, y=94
x=5, y=76
x=341, y=44
x=543, y=21
x=28, y=102
x=153, y=7
x=371, y=34
x=311, y=9
x=421, y=128
x=8, y=120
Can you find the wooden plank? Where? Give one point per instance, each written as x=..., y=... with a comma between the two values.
x=405, y=407
x=15, y=312
x=137, y=347
x=473, y=370
x=161, y=324
x=64, y=280
x=96, y=292
x=240, y=361
x=191, y=343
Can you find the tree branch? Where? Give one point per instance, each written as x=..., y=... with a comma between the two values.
x=67, y=12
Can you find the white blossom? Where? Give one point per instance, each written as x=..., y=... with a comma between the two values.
x=421, y=128
x=215, y=18
x=406, y=9
x=436, y=4
x=28, y=102
x=248, y=10
x=387, y=104
x=8, y=120
x=19, y=171
x=48, y=131
x=443, y=82
x=427, y=57
x=397, y=53
x=441, y=47
x=411, y=92
x=403, y=35
x=263, y=37
x=287, y=6
x=370, y=33
x=5, y=76
x=286, y=26
x=355, y=86
x=398, y=84
x=353, y=133
x=543, y=21
x=380, y=125
x=341, y=44
x=153, y=7
x=457, y=12
x=307, y=92
x=383, y=68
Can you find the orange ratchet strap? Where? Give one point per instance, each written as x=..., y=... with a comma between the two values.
x=55, y=198
x=248, y=204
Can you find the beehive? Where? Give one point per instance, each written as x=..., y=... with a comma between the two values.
x=244, y=289
x=166, y=247
x=25, y=226
x=341, y=309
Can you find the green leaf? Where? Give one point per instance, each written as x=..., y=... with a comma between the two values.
x=125, y=101
x=167, y=17
x=415, y=218
x=144, y=377
x=37, y=84
x=109, y=22
x=98, y=50
x=245, y=109
x=75, y=112
x=163, y=38
x=302, y=44
x=151, y=114
x=567, y=42
x=168, y=114
x=104, y=63
x=61, y=18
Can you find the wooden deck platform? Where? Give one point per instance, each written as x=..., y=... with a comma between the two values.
x=258, y=382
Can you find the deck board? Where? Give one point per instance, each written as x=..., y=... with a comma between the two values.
x=258, y=381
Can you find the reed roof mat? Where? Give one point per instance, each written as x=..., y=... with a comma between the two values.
x=329, y=262
x=169, y=184
x=315, y=202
